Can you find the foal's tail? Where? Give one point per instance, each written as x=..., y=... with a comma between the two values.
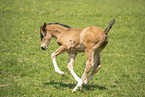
x=109, y=26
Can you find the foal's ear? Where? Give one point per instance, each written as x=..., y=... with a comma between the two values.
x=44, y=26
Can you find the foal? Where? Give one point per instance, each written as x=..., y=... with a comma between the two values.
x=91, y=40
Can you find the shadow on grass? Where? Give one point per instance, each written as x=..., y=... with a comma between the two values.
x=90, y=87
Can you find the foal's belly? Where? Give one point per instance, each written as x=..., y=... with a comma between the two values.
x=77, y=49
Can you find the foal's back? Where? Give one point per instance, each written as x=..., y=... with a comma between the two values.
x=77, y=39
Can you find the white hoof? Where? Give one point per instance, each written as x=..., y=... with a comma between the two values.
x=80, y=82
x=63, y=73
x=73, y=90
x=60, y=72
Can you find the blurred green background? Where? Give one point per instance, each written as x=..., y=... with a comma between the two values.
x=26, y=70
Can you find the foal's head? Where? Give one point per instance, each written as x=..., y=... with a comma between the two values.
x=45, y=37
x=47, y=31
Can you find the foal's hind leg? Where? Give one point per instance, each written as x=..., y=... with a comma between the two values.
x=96, y=67
x=60, y=50
x=89, y=64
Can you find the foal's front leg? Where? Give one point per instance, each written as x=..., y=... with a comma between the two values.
x=70, y=66
x=60, y=50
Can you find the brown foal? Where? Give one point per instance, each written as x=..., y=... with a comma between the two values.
x=91, y=40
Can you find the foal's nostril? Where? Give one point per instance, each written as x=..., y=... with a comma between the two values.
x=43, y=48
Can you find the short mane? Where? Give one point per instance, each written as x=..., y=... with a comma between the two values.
x=59, y=24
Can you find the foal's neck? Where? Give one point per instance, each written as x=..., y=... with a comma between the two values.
x=56, y=30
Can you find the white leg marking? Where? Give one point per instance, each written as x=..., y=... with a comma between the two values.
x=80, y=82
x=56, y=67
x=70, y=66
x=74, y=75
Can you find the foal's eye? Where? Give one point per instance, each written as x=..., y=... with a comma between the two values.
x=42, y=36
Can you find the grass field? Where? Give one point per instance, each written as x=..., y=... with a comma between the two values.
x=26, y=70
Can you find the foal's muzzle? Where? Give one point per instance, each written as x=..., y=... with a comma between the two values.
x=43, y=48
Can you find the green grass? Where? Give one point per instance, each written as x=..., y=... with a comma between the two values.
x=26, y=70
